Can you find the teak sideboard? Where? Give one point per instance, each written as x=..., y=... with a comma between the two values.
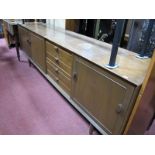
x=75, y=65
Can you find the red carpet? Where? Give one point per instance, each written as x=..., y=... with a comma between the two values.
x=29, y=104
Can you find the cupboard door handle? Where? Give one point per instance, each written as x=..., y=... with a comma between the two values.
x=75, y=76
x=119, y=108
x=28, y=41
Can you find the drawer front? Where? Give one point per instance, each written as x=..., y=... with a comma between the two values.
x=64, y=79
x=56, y=68
x=59, y=76
x=59, y=82
x=65, y=57
x=52, y=49
x=60, y=57
x=65, y=88
x=65, y=68
x=52, y=58
x=52, y=75
x=52, y=67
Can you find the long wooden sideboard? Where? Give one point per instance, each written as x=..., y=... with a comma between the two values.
x=75, y=65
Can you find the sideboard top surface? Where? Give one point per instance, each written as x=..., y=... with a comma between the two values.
x=130, y=68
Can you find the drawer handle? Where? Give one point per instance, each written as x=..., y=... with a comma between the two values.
x=56, y=48
x=75, y=76
x=57, y=70
x=119, y=108
x=57, y=80
x=57, y=60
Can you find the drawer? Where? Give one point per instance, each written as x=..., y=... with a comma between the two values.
x=60, y=57
x=52, y=58
x=51, y=74
x=65, y=68
x=65, y=57
x=51, y=49
x=59, y=73
x=59, y=76
x=63, y=78
x=64, y=87
x=59, y=63
x=59, y=82
x=52, y=67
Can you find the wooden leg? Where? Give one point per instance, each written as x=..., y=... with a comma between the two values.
x=30, y=64
x=17, y=50
x=150, y=124
x=17, y=47
x=91, y=129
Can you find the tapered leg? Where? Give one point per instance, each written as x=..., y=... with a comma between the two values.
x=30, y=64
x=17, y=50
x=17, y=46
x=91, y=129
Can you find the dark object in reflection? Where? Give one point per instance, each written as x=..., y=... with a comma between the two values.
x=138, y=41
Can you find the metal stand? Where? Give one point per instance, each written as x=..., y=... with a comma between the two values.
x=116, y=42
x=112, y=67
x=142, y=57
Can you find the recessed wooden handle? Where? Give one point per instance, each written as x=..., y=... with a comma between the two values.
x=56, y=48
x=57, y=60
x=28, y=41
x=75, y=76
x=57, y=80
x=57, y=70
x=119, y=108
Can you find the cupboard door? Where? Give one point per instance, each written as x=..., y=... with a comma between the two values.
x=38, y=51
x=103, y=97
x=24, y=39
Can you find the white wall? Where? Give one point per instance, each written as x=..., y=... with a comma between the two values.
x=56, y=22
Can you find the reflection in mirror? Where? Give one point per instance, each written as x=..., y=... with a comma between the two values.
x=133, y=37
